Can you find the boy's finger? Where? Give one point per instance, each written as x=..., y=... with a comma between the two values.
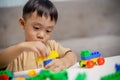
x=43, y=55
x=49, y=65
x=56, y=69
x=47, y=52
x=37, y=52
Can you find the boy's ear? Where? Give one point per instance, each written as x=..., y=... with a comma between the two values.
x=22, y=23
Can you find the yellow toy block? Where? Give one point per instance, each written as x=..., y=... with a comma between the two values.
x=20, y=78
x=82, y=63
x=53, y=54
x=95, y=60
x=32, y=73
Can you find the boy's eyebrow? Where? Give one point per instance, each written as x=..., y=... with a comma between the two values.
x=36, y=23
x=42, y=25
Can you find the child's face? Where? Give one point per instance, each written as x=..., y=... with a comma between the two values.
x=38, y=28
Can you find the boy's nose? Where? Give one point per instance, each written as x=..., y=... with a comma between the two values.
x=41, y=35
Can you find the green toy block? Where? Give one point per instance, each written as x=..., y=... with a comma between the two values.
x=85, y=53
x=8, y=73
x=113, y=76
x=62, y=75
x=48, y=75
x=81, y=76
x=43, y=75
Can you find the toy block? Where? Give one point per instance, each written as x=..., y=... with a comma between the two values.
x=47, y=62
x=113, y=76
x=8, y=73
x=20, y=78
x=4, y=77
x=117, y=67
x=53, y=54
x=94, y=54
x=48, y=75
x=88, y=59
x=81, y=76
x=62, y=75
x=43, y=75
x=85, y=53
x=32, y=73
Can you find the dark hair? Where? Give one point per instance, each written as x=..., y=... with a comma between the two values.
x=43, y=7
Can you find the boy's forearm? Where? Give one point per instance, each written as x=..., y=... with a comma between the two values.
x=9, y=54
x=69, y=59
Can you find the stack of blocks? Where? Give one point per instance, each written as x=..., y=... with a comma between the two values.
x=88, y=59
x=53, y=54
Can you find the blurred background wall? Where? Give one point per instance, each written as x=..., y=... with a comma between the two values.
x=82, y=24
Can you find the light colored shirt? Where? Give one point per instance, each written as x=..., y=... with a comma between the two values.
x=27, y=60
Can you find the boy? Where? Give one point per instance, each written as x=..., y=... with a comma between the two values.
x=38, y=21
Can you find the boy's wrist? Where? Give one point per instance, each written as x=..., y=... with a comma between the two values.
x=65, y=62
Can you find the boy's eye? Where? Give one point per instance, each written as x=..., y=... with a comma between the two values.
x=48, y=31
x=36, y=28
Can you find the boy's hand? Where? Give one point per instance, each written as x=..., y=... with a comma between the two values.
x=56, y=65
x=37, y=47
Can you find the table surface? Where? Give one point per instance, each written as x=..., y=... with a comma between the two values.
x=94, y=73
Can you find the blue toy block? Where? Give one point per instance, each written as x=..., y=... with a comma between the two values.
x=117, y=67
x=93, y=54
x=47, y=62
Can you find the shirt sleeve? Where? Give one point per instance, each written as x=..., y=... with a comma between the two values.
x=25, y=61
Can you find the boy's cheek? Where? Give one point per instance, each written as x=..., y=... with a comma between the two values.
x=32, y=38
